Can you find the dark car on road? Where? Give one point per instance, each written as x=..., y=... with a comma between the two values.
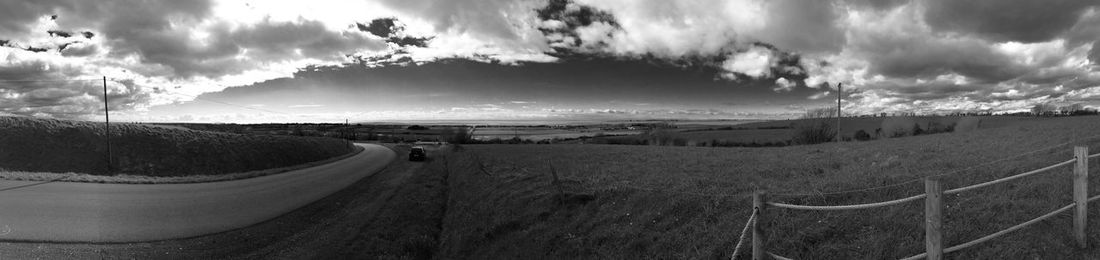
x=417, y=153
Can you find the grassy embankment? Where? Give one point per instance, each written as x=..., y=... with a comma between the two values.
x=36, y=149
x=631, y=202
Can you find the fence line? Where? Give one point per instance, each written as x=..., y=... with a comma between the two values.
x=779, y=257
x=1009, y=178
x=917, y=197
x=934, y=207
x=943, y=174
x=848, y=207
x=1002, y=232
x=744, y=231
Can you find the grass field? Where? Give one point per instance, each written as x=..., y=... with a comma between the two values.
x=58, y=146
x=649, y=202
x=781, y=131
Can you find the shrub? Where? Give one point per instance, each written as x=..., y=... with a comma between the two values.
x=897, y=127
x=814, y=132
x=935, y=126
x=862, y=135
x=916, y=130
x=459, y=135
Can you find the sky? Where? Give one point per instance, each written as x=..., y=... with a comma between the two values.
x=387, y=60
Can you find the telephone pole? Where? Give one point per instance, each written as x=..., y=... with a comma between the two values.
x=107, y=125
x=838, y=111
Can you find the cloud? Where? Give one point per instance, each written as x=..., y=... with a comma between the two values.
x=389, y=29
x=819, y=95
x=923, y=55
x=570, y=27
x=783, y=85
x=998, y=20
x=154, y=45
x=41, y=94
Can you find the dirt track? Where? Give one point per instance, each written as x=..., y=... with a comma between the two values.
x=328, y=228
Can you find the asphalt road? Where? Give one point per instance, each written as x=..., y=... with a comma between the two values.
x=90, y=212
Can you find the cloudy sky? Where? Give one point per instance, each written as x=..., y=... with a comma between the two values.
x=326, y=60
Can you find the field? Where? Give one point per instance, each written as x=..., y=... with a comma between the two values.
x=544, y=133
x=47, y=145
x=780, y=132
x=646, y=202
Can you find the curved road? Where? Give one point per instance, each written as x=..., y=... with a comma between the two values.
x=92, y=212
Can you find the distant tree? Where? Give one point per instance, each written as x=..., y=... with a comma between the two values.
x=1044, y=109
x=917, y=130
x=416, y=127
x=824, y=112
x=459, y=135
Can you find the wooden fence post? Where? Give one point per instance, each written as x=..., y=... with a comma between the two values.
x=1080, y=193
x=933, y=219
x=758, y=237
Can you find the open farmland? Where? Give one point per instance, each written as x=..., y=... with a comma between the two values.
x=539, y=133
x=48, y=145
x=780, y=132
x=629, y=202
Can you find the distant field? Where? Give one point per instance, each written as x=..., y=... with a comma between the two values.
x=544, y=133
x=644, y=202
x=742, y=136
x=780, y=131
x=47, y=145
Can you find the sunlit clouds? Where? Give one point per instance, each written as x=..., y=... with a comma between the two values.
x=325, y=60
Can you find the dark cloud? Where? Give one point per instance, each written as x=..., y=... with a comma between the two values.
x=562, y=18
x=909, y=56
x=38, y=92
x=393, y=32
x=1000, y=20
x=267, y=41
x=463, y=82
x=878, y=4
x=16, y=16
x=59, y=33
x=803, y=26
x=160, y=34
x=78, y=49
x=381, y=27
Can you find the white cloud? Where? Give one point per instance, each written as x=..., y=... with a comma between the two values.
x=783, y=85
x=756, y=62
x=819, y=95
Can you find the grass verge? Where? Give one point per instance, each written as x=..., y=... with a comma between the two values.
x=141, y=179
x=644, y=202
x=48, y=145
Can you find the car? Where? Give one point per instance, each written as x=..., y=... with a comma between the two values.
x=417, y=153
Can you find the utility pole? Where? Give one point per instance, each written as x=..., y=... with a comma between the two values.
x=107, y=117
x=838, y=111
